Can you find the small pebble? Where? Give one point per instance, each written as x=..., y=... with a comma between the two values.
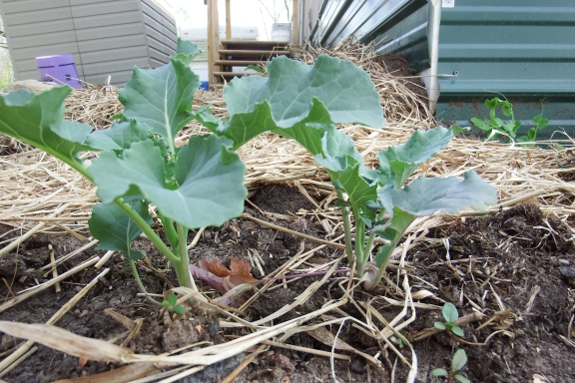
x=564, y=262
x=567, y=272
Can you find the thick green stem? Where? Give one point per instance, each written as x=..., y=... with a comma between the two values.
x=141, y=286
x=360, y=255
x=147, y=230
x=369, y=244
x=170, y=231
x=184, y=276
x=347, y=229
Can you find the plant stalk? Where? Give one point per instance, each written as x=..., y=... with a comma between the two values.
x=184, y=276
x=360, y=255
x=147, y=230
x=347, y=229
x=170, y=232
x=141, y=286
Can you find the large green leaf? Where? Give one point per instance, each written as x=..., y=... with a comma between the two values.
x=209, y=177
x=115, y=230
x=345, y=167
x=399, y=162
x=161, y=98
x=343, y=93
x=425, y=196
x=187, y=51
x=345, y=89
x=120, y=136
x=38, y=120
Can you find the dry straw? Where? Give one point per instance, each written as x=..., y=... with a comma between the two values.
x=34, y=186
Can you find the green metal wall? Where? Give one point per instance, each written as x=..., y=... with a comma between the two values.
x=524, y=49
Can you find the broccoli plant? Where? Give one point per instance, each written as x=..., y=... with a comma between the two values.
x=201, y=183
x=198, y=184
x=305, y=102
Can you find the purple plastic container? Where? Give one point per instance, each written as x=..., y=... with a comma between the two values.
x=61, y=67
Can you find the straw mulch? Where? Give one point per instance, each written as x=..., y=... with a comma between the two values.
x=35, y=187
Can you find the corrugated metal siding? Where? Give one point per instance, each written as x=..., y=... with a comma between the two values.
x=364, y=19
x=105, y=37
x=525, y=51
x=525, y=48
x=522, y=49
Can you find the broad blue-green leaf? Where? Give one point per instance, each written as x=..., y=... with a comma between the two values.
x=449, y=312
x=242, y=127
x=115, y=230
x=161, y=98
x=401, y=161
x=461, y=379
x=38, y=120
x=346, y=93
x=187, y=51
x=205, y=117
x=120, y=136
x=425, y=196
x=345, y=166
x=210, y=180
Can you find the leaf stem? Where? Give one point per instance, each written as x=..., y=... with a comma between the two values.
x=169, y=230
x=347, y=229
x=360, y=256
x=184, y=264
x=147, y=230
x=141, y=286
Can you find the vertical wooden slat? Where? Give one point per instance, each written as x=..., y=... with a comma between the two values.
x=213, y=40
x=228, y=21
x=295, y=22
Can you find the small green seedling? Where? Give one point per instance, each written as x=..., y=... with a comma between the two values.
x=496, y=127
x=459, y=360
x=400, y=342
x=450, y=315
x=171, y=305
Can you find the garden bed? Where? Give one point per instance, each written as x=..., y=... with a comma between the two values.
x=512, y=265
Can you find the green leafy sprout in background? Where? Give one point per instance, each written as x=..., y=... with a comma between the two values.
x=450, y=314
x=457, y=363
x=496, y=127
x=139, y=168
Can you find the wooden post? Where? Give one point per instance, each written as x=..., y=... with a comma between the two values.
x=228, y=21
x=213, y=39
x=295, y=23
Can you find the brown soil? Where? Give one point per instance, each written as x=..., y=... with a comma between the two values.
x=519, y=260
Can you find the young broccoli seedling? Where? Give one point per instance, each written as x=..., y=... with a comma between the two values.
x=450, y=314
x=459, y=360
x=171, y=305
